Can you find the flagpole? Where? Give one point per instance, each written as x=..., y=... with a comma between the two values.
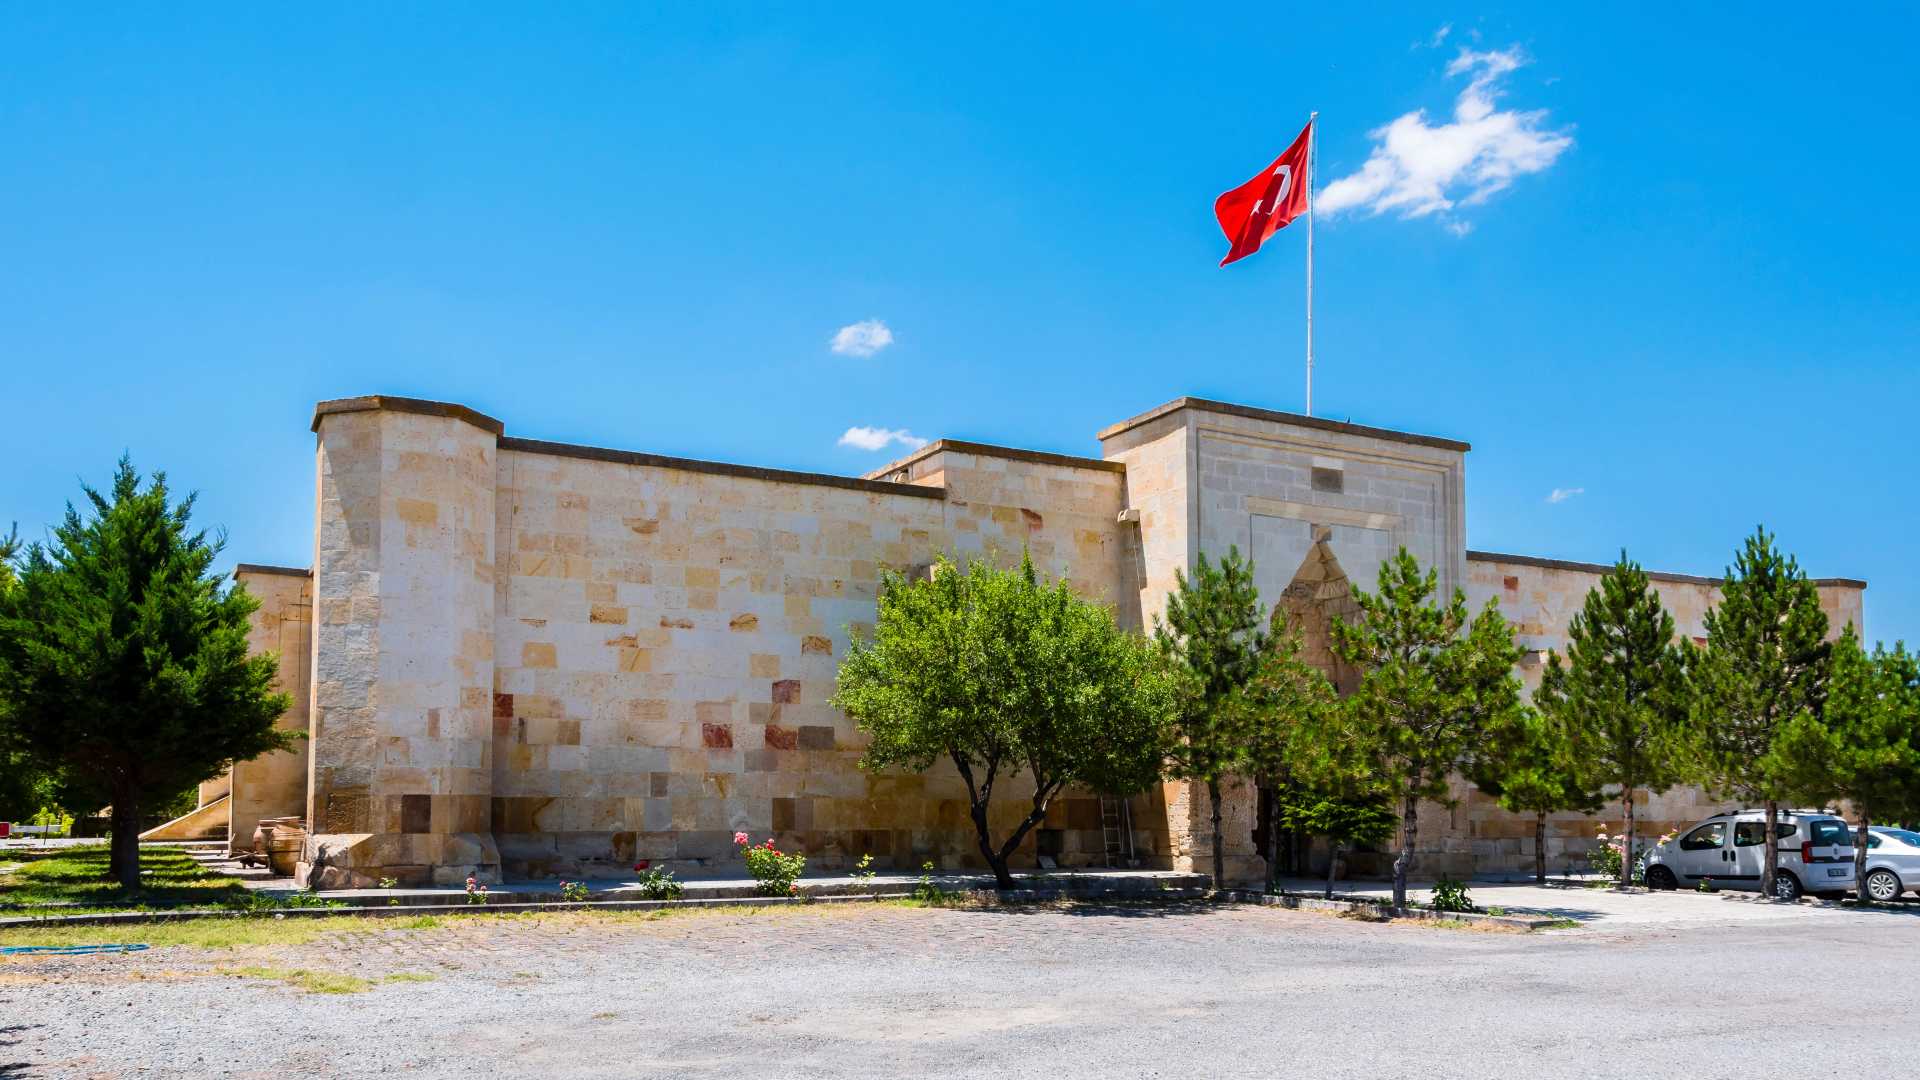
x=1312, y=146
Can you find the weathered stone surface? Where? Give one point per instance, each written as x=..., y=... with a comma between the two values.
x=557, y=658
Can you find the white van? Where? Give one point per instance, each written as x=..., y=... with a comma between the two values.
x=1816, y=854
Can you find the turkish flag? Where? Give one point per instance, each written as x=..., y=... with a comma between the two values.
x=1265, y=204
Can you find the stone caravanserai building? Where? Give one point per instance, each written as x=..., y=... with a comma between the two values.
x=525, y=659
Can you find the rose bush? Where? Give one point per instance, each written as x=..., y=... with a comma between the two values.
x=775, y=870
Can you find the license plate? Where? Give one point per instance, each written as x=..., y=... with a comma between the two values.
x=1838, y=871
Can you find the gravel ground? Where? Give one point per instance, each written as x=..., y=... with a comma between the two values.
x=1089, y=990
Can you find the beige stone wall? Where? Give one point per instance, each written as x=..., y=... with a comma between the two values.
x=541, y=659
x=1293, y=494
x=402, y=700
x=668, y=634
x=275, y=784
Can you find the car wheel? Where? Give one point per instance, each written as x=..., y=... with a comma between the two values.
x=1883, y=886
x=1785, y=886
x=1659, y=877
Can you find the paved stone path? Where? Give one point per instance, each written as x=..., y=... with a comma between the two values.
x=1081, y=991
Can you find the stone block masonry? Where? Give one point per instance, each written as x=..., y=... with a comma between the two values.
x=530, y=659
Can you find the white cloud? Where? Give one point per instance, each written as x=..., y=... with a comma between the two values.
x=1418, y=169
x=1560, y=495
x=873, y=438
x=1440, y=35
x=864, y=338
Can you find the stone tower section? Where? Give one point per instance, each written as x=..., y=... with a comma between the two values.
x=402, y=698
x=1316, y=504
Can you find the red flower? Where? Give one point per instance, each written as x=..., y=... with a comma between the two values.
x=643, y=864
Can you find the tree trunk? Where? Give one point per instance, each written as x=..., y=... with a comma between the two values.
x=997, y=862
x=1333, y=860
x=1219, y=854
x=1273, y=844
x=1540, y=848
x=1403, y=861
x=1626, y=855
x=1860, y=857
x=1770, y=858
x=123, y=854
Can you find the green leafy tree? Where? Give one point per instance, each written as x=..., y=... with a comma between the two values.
x=1349, y=817
x=1536, y=766
x=1212, y=631
x=1278, y=712
x=1622, y=701
x=123, y=659
x=1864, y=746
x=1435, y=690
x=998, y=673
x=1765, y=664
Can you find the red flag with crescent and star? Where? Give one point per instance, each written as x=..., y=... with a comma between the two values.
x=1264, y=205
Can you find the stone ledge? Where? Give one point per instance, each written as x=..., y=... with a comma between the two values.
x=1342, y=904
x=264, y=568
x=720, y=468
x=1545, y=563
x=374, y=902
x=417, y=406
x=1037, y=457
x=1277, y=417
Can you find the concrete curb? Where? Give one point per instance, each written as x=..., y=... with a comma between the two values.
x=1344, y=904
x=1016, y=896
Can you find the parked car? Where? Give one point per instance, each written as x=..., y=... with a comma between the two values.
x=1893, y=862
x=1816, y=854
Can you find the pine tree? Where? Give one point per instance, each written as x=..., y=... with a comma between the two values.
x=1279, y=709
x=1622, y=699
x=1436, y=689
x=123, y=659
x=1864, y=747
x=1534, y=765
x=1212, y=630
x=1765, y=664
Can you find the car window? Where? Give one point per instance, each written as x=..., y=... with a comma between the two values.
x=1873, y=840
x=1711, y=835
x=1830, y=832
x=1911, y=839
x=1748, y=833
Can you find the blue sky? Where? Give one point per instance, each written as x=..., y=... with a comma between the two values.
x=1662, y=262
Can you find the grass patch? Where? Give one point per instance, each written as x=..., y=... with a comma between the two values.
x=71, y=881
x=313, y=982
x=217, y=933
x=408, y=977
x=1561, y=924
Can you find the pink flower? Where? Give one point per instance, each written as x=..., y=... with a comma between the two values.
x=740, y=838
x=769, y=845
x=793, y=890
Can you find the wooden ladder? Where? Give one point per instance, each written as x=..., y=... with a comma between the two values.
x=1116, y=831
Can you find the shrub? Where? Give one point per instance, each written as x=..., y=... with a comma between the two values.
x=776, y=871
x=927, y=892
x=1451, y=895
x=659, y=884
x=476, y=892
x=573, y=892
x=863, y=870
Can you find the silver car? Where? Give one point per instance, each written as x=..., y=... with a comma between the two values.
x=1893, y=862
x=1726, y=850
